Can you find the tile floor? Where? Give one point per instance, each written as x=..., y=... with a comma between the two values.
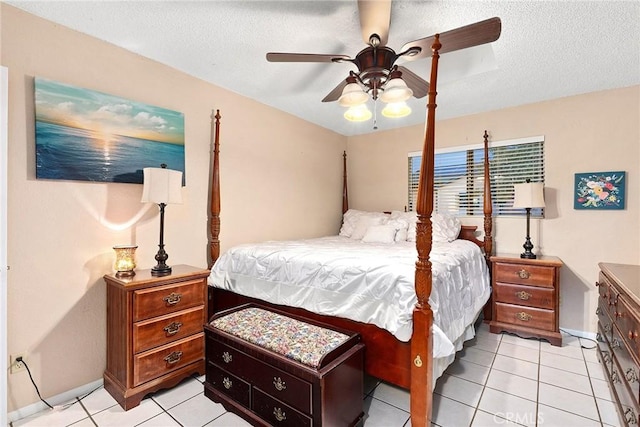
x=496, y=380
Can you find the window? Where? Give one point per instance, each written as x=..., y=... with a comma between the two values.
x=459, y=176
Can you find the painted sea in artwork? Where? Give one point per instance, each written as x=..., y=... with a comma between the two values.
x=91, y=136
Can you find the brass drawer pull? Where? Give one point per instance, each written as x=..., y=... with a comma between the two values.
x=615, y=378
x=599, y=337
x=615, y=343
x=525, y=317
x=607, y=328
x=630, y=416
x=226, y=357
x=172, y=298
x=227, y=383
x=173, y=358
x=279, y=384
x=523, y=295
x=631, y=375
x=523, y=274
x=606, y=357
x=633, y=335
x=598, y=311
x=172, y=328
x=279, y=414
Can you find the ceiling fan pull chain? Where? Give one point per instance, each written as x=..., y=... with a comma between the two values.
x=375, y=114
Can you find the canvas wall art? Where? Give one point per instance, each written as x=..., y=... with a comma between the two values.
x=599, y=190
x=85, y=135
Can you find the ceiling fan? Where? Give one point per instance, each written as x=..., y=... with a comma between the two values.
x=378, y=74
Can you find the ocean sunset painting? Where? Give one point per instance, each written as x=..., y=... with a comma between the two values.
x=86, y=135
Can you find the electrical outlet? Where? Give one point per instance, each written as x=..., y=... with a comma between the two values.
x=16, y=365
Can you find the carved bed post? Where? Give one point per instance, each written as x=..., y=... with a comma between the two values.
x=345, y=196
x=214, y=208
x=487, y=202
x=421, y=340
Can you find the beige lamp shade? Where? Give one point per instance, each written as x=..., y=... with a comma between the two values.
x=352, y=95
x=162, y=185
x=529, y=195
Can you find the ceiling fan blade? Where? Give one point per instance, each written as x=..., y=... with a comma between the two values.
x=417, y=84
x=482, y=32
x=375, y=18
x=304, y=57
x=336, y=92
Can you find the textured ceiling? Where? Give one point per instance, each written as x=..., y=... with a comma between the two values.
x=548, y=49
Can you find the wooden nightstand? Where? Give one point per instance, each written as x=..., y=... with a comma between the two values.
x=155, y=331
x=526, y=296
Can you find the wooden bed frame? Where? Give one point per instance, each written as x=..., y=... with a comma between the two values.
x=406, y=364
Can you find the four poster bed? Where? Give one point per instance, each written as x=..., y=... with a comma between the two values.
x=408, y=363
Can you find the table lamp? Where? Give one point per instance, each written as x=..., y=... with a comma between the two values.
x=162, y=186
x=528, y=195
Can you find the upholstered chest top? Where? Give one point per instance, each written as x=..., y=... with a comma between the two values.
x=289, y=337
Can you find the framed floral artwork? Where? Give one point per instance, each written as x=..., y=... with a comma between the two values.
x=599, y=190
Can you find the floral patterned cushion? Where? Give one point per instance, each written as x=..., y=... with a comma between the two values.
x=292, y=338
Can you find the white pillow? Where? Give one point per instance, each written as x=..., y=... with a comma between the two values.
x=380, y=234
x=401, y=226
x=350, y=219
x=412, y=219
x=445, y=228
x=363, y=223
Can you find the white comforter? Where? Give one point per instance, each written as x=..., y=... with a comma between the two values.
x=365, y=282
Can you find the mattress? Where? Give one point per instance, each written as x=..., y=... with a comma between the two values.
x=365, y=282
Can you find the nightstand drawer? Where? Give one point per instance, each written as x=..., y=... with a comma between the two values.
x=533, y=275
x=525, y=295
x=529, y=317
x=162, y=300
x=154, y=363
x=163, y=330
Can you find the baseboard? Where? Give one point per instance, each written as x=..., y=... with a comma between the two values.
x=59, y=399
x=581, y=334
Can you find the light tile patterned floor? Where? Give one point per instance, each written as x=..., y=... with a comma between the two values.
x=497, y=380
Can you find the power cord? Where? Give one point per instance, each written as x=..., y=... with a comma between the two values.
x=21, y=360
x=581, y=338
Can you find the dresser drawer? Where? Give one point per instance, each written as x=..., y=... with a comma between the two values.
x=534, y=275
x=526, y=295
x=604, y=319
x=629, y=325
x=286, y=387
x=162, y=300
x=154, y=363
x=529, y=317
x=165, y=329
x=229, y=384
x=277, y=413
x=628, y=368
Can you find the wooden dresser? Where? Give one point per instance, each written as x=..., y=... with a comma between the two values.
x=526, y=296
x=619, y=335
x=155, y=334
x=268, y=388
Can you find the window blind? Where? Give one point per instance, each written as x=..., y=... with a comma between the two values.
x=459, y=176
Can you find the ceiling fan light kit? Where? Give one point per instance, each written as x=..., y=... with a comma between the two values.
x=378, y=76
